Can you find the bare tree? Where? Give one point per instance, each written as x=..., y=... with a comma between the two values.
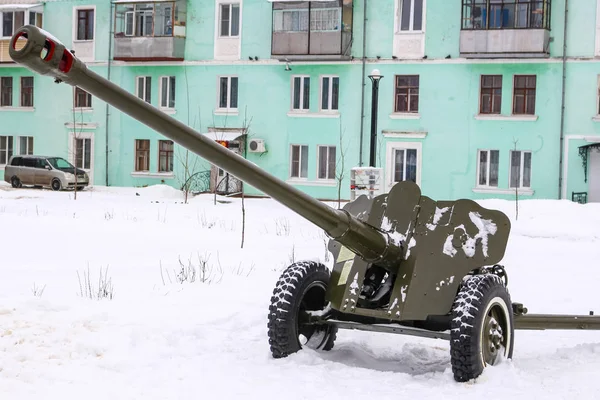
x=190, y=162
x=515, y=141
x=340, y=172
x=246, y=129
x=75, y=141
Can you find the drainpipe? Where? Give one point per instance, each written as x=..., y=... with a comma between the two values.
x=362, y=91
x=110, y=36
x=562, y=106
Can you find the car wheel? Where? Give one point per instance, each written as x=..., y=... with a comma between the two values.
x=16, y=182
x=56, y=185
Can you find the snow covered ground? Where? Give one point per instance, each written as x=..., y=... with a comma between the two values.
x=159, y=339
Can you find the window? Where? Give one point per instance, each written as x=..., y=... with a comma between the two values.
x=6, y=149
x=297, y=19
x=27, y=91
x=505, y=14
x=330, y=91
x=165, y=156
x=407, y=94
x=11, y=21
x=524, y=94
x=487, y=168
x=142, y=155
x=228, y=92
x=25, y=145
x=301, y=93
x=6, y=91
x=404, y=165
x=83, y=153
x=411, y=15
x=230, y=20
x=148, y=19
x=598, y=96
x=299, y=161
x=144, y=88
x=326, y=162
x=85, y=24
x=82, y=99
x=167, y=92
x=490, y=100
x=36, y=18
x=520, y=169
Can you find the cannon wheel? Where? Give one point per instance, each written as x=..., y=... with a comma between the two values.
x=482, y=330
x=301, y=287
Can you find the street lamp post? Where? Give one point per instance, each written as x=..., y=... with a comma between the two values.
x=375, y=78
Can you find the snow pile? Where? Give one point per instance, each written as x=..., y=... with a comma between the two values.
x=161, y=339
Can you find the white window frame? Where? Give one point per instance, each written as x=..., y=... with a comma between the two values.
x=597, y=44
x=73, y=135
x=25, y=21
x=228, y=106
x=412, y=17
x=390, y=147
x=302, y=78
x=137, y=86
x=597, y=114
x=76, y=9
x=230, y=5
x=328, y=147
x=522, y=163
x=10, y=153
x=300, y=161
x=30, y=143
x=487, y=178
x=329, y=94
x=160, y=88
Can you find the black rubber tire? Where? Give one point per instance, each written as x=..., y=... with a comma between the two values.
x=56, y=185
x=16, y=182
x=476, y=296
x=302, y=284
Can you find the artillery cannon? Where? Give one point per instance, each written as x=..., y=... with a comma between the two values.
x=403, y=263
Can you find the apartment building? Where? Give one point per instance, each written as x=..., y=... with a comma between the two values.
x=477, y=98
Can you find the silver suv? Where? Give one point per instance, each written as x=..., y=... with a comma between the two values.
x=54, y=172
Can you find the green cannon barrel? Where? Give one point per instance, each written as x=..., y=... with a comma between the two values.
x=41, y=52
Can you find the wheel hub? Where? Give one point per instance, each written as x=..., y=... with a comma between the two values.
x=493, y=339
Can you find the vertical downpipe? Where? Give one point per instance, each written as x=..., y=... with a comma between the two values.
x=362, y=91
x=110, y=36
x=562, y=105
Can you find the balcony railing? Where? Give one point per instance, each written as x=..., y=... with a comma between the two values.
x=150, y=31
x=306, y=29
x=505, y=28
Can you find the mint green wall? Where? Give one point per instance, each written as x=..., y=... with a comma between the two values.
x=448, y=105
x=58, y=20
x=449, y=98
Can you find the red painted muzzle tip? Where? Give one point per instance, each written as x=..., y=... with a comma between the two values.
x=66, y=62
x=49, y=48
x=16, y=38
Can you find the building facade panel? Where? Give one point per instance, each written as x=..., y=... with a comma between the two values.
x=477, y=125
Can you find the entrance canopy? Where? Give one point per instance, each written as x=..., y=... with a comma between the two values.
x=584, y=152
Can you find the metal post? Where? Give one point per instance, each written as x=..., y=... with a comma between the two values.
x=375, y=78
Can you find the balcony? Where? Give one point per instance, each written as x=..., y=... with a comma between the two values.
x=14, y=16
x=312, y=30
x=505, y=29
x=152, y=31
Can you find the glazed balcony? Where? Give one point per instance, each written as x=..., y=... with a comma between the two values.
x=150, y=31
x=305, y=30
x=14, y=16
x=505, y=28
